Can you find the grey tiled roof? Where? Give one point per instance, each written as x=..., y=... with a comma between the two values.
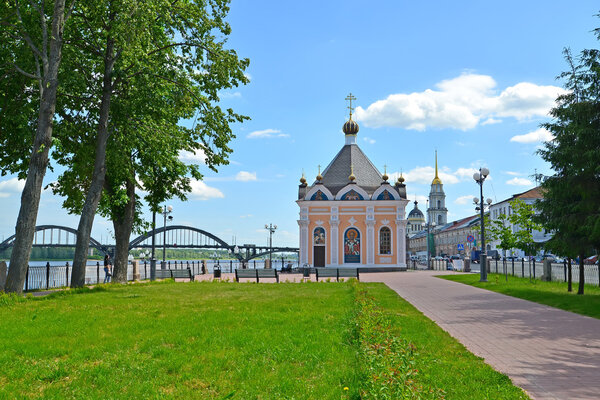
x=335, y=176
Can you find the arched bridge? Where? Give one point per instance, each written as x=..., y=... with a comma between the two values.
x=56, y=236
x=175, y=236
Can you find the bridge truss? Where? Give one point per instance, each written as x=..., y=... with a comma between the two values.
x=175, y=236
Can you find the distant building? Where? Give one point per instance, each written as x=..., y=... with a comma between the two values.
x=452, y=238
x=351, y=215
x=448, y=239
x=504, y=208
x=416, y=219
x=437, y=211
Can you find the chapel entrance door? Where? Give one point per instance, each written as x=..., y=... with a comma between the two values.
x=319, y=256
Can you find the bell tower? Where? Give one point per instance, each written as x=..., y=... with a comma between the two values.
x=437, y=211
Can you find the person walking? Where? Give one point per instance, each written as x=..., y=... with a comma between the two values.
x=107, y=268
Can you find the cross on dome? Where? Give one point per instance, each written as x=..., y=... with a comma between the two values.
x=350, y=97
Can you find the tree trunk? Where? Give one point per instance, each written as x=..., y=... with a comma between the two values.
x=581, y=274
x=570, y=276
x=30, y=198
x=123, y=226
x=84, y=230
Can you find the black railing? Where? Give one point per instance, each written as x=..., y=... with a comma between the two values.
x=52, y=276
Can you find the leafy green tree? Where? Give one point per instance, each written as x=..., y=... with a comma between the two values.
x=515, y=230
x=172, y=69
x=570, y=206
x=501, y=229
x=32, y=43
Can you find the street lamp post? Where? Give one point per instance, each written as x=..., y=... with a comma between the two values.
x=271, y=228
x=479, y=177
x=165, y=211
x=153, y=259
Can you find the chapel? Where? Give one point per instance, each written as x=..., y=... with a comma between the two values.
x=352, y=216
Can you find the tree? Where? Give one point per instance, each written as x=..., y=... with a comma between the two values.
x=570, y=206
x=37, y=26
x=157, y=79
x=515, y=230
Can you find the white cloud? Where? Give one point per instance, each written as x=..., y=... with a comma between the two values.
x=539, y=135
x=464, y=199
x=512, y=173
x=267, y=133
x=369, y=140
x=460, y=103
x=197, y=157
x=491, y=121
x=424, y=175
x=519, y=182
x=245, y=176
x=421, y=199
x=201, y=191
x=11, y=186
x=246, y=216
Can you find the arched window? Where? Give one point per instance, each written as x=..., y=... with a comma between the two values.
x=439, y=204
x=439, y=220
x=385, y=240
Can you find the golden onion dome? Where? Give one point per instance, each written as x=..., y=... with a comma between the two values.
x=350, y=127
x=319, y=177
x=303, y=179
x=400, y=179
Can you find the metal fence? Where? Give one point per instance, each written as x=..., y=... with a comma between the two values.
x=526, y=269
x=50, y=276
x=533, y=269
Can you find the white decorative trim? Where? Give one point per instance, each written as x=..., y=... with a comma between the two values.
x=352, y=221
x=356, y=188
x=390, y=190
x=334, y=241
x=370, y=242
x=385, y=222
x=315, y=189
x=319, y=222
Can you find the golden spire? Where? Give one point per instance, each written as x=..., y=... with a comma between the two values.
x=352, y=177
x=319, y=176
x=436, y=180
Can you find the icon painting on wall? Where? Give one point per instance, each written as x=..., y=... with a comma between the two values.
x=352, y=246
x=319, y=236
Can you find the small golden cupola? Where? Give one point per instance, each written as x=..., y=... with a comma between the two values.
x=303, y=179
x=436, y=180
x=352, y=178
x=319, y=176
x=385, y=176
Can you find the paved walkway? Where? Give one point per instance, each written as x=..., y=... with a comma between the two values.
x=550, y=353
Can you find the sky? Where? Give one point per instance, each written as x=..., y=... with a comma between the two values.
x=470, y=79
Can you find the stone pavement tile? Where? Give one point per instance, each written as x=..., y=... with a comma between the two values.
x=550, y=353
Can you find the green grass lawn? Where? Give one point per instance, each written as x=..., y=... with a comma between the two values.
x=550, y=293
x=220, y=340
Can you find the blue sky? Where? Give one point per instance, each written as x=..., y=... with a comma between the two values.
x=472, y=79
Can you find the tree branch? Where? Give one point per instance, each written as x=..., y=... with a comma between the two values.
x=25, y=35
x=27, y=74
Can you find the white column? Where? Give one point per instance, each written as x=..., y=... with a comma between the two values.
x=304, y=242
x=370, y=242
x=401, y=242
x=334, y=240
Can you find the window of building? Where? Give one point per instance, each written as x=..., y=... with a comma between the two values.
x=385, y=241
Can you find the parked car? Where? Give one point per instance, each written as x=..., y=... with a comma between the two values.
x=591, y=260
